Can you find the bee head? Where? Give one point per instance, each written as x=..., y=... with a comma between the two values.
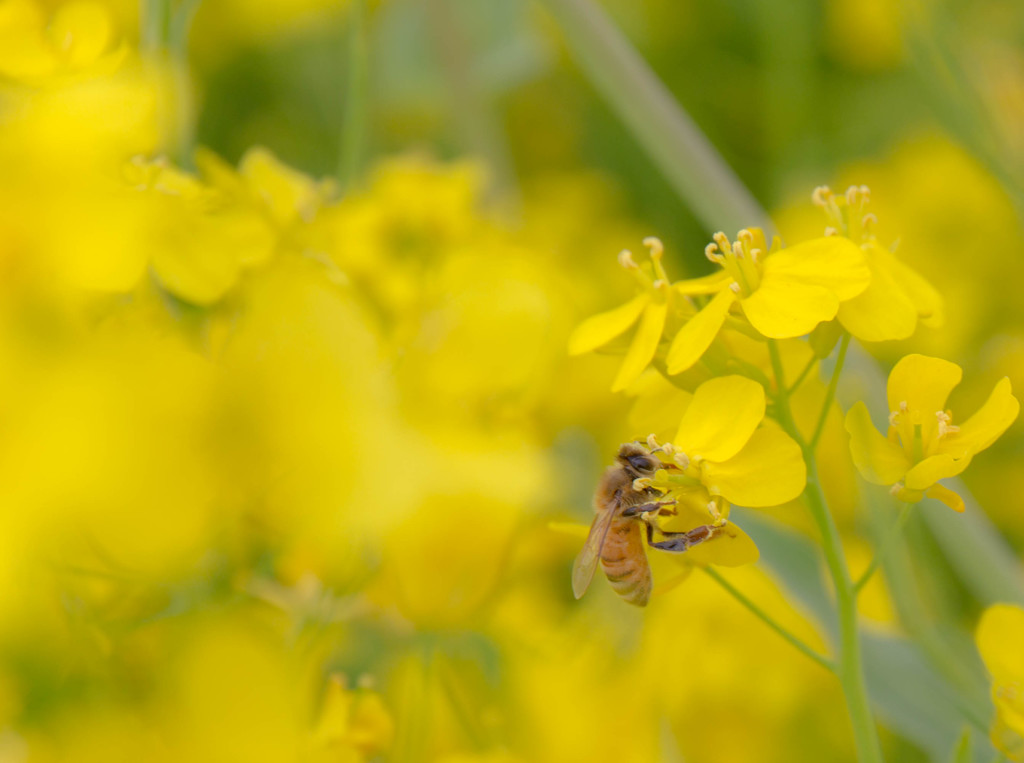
x=637, y=460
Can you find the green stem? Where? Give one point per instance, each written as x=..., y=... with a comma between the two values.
x=909, y=603
x=665, y=131
x=768, y=620
x=830, y=394
x=474, y=117
x=850, y=662
x=803, y=375
x=164, y=30
x=851, y=671
x=154, y=21
x=884, y=546
x=355, y=116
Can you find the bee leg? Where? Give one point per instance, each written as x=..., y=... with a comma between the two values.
x=644, y=508
x=679, y=542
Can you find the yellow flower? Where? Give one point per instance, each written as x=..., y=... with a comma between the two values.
x=650, y=307
x=897, y=296
x=726, y=444
x=922, y=445
x=783, y=292
x=999, y=636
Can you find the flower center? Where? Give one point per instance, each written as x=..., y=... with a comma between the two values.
x=845, y=212
x=652, y=277
x=742, y=259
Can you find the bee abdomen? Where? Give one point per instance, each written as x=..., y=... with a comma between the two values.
x=625, y=564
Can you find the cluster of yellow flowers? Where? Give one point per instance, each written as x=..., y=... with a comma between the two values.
x=730, y=357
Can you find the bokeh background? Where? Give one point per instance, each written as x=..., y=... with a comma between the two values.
x=289, y=438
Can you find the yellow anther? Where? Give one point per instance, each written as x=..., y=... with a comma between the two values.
x=830, y=231
x=821, y=195
x=734, y=287
x=868, y=220
x=737, y=249
x=711, y=252
x=626, y=260
x=682, y=460
x=717, y=518
x=945, y=427
x=894, y=417
x=723, y=241
x=640, y=484
x=755, y=255
x=896, y=489
x=652, y=442
x=903, y=406
x=654, y=244
x=745, y=236
x=366, y=682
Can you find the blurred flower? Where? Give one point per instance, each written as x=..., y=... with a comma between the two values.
x=782, y=292
x=923, y=445
x=77, y=41
x=999, y=636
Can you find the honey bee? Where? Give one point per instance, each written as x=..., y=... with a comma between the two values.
x=615, y=537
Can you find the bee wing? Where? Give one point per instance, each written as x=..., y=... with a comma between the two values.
x=585, y=564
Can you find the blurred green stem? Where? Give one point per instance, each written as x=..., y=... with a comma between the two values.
x=884, y=545
x=154, y=21
x=479, y=130
x=850, y=667
x=356, y=113
x=830, y=394
x=164, y=32
x=768, y=620
x=909, y=604
x=666, y=132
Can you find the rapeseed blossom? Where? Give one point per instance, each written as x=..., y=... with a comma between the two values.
x=783, y=292
x=650, y=307
x=923, y=445
x=897, y=297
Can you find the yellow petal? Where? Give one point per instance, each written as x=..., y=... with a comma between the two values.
x=286, y=192
x=731, y=547
x=881, y=312
x=709, y=284
x=984, y=427
x=644, y=345
x=782, y=308
x=768, y=471
x=602, y=328
x=999, y=637
x=833, y=262
x=721, y=418
x=947, y=496
x=923, y=383
x=200, y=270
x=926, y=299
x=699, y=332
x=934, y=468
x=878, y=459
